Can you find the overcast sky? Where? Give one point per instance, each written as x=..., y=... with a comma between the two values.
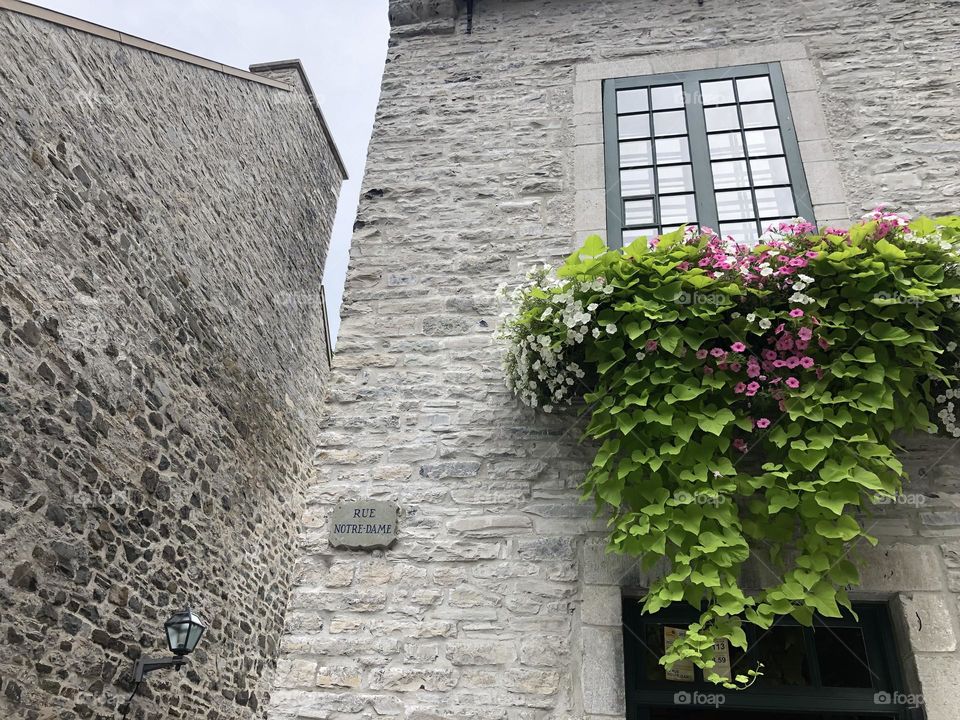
x=342, y=44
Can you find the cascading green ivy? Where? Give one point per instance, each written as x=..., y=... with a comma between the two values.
x=744, y=400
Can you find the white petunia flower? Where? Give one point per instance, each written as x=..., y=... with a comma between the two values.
x=611, y=328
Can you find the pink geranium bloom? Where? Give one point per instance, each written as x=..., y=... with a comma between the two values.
x=796, y=312
x=763, y=423
x=792, y=382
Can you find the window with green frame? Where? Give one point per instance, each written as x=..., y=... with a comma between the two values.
x=710, y=147
x=838, y=669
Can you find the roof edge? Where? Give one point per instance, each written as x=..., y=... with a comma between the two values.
x=75, y=23
x=295, y=64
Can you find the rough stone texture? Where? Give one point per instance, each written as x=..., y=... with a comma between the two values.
x=470, y=180
x=164, y=229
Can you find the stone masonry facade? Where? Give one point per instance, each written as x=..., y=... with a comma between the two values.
x=164, y=223
x=497, y=602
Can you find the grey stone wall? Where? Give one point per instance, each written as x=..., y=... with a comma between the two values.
x=497, y=601
x=163, y=230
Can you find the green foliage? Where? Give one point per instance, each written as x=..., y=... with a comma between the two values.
x=772, y=450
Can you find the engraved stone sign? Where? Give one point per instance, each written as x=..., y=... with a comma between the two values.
x=363, y=524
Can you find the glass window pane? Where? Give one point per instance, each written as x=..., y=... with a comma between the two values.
x=741, y=232
x=671, y=150
x=675, y=178
x=630, y=235
x=638, y=212
x=726, y=145
x=755, y=88
x=759, y=115
x=636, y=152
x=634, y=126
x=734, y=205
x=782, y=650
x=677, y=209
x=842, y=657
x=763, y=142
x=730, y=174
x=629, y=101
x=722, y=118
x=770, y=171
x=672, y=122
x=717, y=92
x=775, y=202
x=668, y=96
x=636, y=182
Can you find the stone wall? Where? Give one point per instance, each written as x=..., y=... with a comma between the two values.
x=162, y=361
x=497, y=601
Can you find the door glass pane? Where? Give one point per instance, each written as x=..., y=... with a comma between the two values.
x=742, y=232
x=731, y=173
x=717, y=92
x=672, y=150
x=633, y=126
x=629, y=101
x=672, y=122
x=666, y=97
x=763, y=142
x=725, y=145
x=630, y=235
x=636, y=182
x=770, y=171
x=636, y=152
x=733, y=205
x=759, y=115
x=775, y=202
x=842, y=657
x=755, y=88
x=638, y=212
x=676, y=209
x=721, y=118
x=676, y=178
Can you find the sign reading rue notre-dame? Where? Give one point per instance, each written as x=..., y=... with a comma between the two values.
x=363, y=524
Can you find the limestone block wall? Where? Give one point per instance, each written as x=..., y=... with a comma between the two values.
x=163, y=230
x=497, y=601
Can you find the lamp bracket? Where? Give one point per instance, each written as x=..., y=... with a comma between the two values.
x=147, y=665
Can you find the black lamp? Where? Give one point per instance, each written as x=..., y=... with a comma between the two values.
x=183, y=631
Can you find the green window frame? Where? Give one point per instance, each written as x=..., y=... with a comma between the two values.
x=714, y=147
x=650, y=697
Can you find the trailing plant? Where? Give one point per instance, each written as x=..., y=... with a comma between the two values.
x=744, y=400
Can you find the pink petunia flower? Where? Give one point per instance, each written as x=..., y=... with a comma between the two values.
x=739, y=387
x=763, y=423
x=806, y=361
x=779, y=329
x=740, y=444
x=801, y=345
x=769, y=355
x=651, y=345
x=805, y=333
x=701, y=354
x=735, y=367
x=718, y=352
x=738, y=347
x=822, y=342
x=792, y=361
x=796, y=312
x=707, y=370
x=792, y=382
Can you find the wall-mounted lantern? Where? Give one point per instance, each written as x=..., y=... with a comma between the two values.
x=183, y=631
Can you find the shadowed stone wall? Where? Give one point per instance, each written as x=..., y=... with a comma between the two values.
x=163, y=231
x=497, y=601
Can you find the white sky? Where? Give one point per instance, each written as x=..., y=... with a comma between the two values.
x=342, y=44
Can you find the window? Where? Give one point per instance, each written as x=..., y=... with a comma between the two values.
x=838, y=669
x=713, y=147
